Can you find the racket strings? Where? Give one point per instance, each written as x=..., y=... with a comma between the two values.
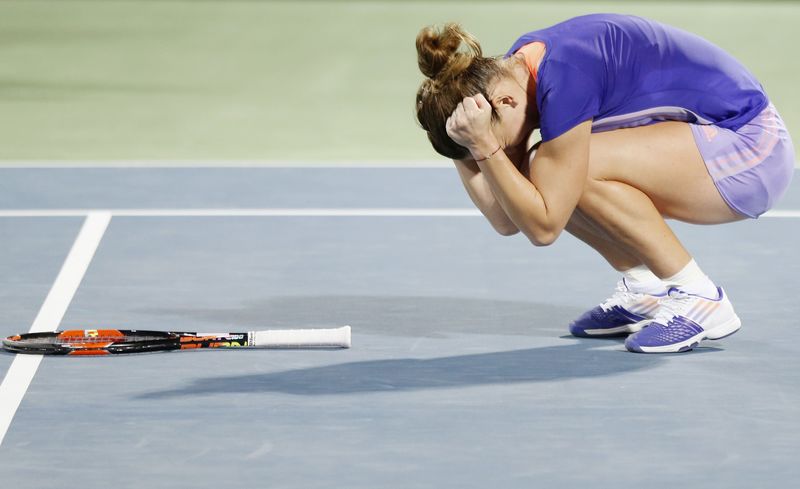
x=73, y=340
x=91, y=339
x=106, y=339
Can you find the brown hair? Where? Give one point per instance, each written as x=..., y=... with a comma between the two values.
x=453, y=63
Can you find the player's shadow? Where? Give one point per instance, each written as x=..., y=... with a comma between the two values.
x=432, y=317
x=578, y=359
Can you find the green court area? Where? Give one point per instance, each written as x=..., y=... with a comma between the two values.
x=323, y=81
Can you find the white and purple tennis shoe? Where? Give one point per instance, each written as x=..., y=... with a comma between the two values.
x=683, y=320
x=623, y=313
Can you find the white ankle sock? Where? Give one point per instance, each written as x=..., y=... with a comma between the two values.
x=692, y=280
x=641, y=279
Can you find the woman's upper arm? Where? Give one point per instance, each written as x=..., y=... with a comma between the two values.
x=559, y=171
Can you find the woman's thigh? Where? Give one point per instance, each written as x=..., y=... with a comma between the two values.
x=661, y=160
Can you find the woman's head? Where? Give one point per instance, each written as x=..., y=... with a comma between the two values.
x=455, y=68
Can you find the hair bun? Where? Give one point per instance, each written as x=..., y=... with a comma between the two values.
x=444, y=52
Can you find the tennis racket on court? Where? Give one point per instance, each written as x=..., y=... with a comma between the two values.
x=114, y=341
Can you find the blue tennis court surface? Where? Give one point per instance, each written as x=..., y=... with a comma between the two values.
x=461, y=374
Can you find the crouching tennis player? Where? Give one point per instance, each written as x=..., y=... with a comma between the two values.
x=640, y=122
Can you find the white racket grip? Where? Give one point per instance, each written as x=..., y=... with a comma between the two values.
x=302, y=338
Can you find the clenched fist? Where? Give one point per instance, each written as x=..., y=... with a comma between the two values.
x=470, y=126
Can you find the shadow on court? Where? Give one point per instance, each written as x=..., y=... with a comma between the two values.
x=550, y=363
x=404, y=316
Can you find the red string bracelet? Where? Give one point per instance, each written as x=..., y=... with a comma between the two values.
x=490, y=154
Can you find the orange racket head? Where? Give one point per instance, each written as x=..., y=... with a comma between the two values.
x=91, y=342
x=90, y=338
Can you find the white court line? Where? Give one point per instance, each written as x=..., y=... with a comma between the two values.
x=433, y=163
x=284, y=212
x=23, y=368
x=268, y=212
x=440, y=163
x=783, y=213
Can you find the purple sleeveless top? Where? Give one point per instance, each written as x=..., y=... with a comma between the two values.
x=626, y=71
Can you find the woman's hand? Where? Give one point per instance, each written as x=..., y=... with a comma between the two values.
x=470, y=126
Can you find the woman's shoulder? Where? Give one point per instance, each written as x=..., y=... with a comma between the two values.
x=578, y=32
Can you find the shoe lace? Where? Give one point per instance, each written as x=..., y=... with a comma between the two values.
x=675, y=303
x=620, y=297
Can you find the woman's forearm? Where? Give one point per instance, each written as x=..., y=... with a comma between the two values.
x=541, y=205
x=518, y=197
x=481, y=194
